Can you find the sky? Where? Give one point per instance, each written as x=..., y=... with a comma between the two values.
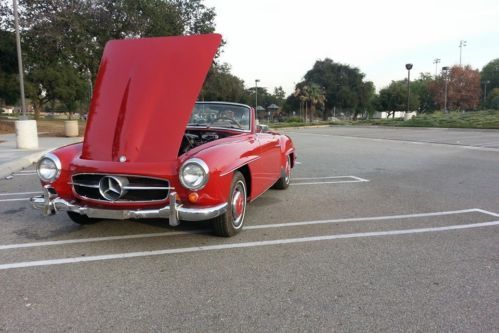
x=278, y=41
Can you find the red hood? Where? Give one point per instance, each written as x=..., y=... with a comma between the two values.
x=144, y=96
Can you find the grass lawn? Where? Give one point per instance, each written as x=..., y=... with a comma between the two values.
x=473, y=119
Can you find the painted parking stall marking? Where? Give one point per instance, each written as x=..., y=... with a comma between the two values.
x=73, y=260
x=17, y=196
x=60, y=261
x=327, y=180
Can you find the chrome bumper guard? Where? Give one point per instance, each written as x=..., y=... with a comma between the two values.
x=49, y=203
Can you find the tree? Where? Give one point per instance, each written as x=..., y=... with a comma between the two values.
x=394, y=98
x=69, y=36
x=316, y=98
x=463, y=88
x=9, y=85
x=490, y=74
x=221, y=85
x=344, y=86
x=493, y=99
x=421, y=88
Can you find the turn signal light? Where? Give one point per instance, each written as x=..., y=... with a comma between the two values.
x=193, y=197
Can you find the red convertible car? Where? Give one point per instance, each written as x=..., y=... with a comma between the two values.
x=151, y=151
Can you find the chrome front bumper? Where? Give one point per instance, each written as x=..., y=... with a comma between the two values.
x=49, y=203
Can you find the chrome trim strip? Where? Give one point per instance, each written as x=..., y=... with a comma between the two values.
x=83, y=185
x=126, y=187
x=131, y=188
x=246, y=163
x=50, y=204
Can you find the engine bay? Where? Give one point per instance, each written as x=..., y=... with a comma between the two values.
x=195, y=138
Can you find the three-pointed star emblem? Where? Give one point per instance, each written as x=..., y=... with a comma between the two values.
x=111, y=188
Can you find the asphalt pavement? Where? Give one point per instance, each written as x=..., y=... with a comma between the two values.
x=381, y=230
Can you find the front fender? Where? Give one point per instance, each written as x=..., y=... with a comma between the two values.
x=66, y=155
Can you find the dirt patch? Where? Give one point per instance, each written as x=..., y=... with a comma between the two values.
x=7, y=127
x=56, y=127
x=45, y=127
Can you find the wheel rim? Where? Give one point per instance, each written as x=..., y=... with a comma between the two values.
x=288, y=170
x=238, y=204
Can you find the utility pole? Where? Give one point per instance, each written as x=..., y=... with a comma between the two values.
x=462, y=43
x=445, y=70
x=19, y=59
x=26, y=131
x=256, y=94
x=436, y=61
x=408, y=67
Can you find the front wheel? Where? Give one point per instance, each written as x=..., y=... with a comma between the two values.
x=231, y=222
x=283, y=182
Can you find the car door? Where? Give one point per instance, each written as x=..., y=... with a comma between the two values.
x=270, y=159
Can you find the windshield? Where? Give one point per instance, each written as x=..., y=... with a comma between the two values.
x=220, y=115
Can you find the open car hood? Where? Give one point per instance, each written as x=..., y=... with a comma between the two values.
x=144, y=95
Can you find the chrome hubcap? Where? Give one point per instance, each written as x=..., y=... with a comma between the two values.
x=238, y=204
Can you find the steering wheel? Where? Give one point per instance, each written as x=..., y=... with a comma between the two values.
x=232, y=121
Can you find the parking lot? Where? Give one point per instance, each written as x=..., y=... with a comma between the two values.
x=382, y=229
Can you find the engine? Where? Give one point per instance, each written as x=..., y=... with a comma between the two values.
x=194, y=139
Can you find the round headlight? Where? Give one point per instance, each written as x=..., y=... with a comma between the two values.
x=194, y=174
x=48, y=168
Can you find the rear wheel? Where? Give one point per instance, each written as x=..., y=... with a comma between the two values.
x=81, y=219
x=231, y=222
x=283, y=182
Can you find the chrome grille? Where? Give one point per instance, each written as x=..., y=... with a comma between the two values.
x=128, y=188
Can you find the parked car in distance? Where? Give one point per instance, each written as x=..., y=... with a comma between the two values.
x=151, y=151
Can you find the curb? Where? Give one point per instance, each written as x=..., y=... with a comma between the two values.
x=20, y=163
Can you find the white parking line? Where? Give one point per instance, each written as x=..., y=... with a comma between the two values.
x=18, y=193
x=18, y=199
x=241, y=245
x=251, y=227
x=320, y=183
x=323, y=180
x=24, y=174
x=362, y=219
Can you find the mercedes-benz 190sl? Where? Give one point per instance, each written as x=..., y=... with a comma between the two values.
x=151, y=151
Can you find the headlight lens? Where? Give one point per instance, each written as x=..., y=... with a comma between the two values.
x=194, y=174
x=49, y=168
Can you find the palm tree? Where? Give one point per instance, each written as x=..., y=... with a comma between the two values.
x=303, y=95
x=316, y=97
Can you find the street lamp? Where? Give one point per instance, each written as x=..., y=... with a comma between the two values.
x=436, y=61
x=256, y=93
x=445, y=70
x=462, y=43
x=408, y=67
x=26, y=131
x=19, y=59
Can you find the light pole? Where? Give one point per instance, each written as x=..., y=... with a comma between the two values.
x=436, y=61
x=26, y=131
x=256, y=93
x=445, y=70
x=462, y=43
x=19, y=59
x=408, y=67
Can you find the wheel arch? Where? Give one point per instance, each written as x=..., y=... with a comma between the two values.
x=245, y=170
